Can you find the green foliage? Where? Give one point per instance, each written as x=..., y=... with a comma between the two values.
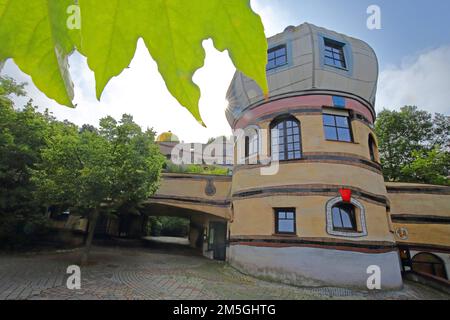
x=196, y=168
x=429, y=167
x=409, y=141
x=22, y=136
x=115, y=167
x=35, y=34
x=168, y=226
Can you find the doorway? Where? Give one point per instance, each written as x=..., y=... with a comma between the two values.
x=429, y=263
x=217, y=239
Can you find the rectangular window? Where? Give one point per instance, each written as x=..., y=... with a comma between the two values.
x=285, y=221
x=277, y=57
x=338, y=102
x=253, y=145
x=334, y=54
x=337, y=128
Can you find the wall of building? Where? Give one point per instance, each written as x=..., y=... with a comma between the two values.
x=309, y=266
x=420, y=217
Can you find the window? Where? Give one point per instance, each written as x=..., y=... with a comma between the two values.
x=253, y=145
x=338, y=102
x=337, y=128
x=285, y=221
x=334, y=54
x=343, y=215
x=429, y=263
x=286, y=138
x=346, y=219
x=372, y=147
x=277, y=57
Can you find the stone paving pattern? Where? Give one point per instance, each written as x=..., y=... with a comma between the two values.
x=144, y=273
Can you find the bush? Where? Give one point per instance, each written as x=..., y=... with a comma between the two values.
x=18, y=231
x=168, y=226
x=196, y=169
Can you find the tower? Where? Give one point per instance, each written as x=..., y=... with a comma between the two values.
x=322, y=217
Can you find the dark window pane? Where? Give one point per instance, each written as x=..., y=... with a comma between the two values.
x=328, y=120
x=281, y=61
x=286, y=226
x=346, y=221
x=270, y=65
x=280, y=52
x=344, y=135
x=329, y=61
x=271, y=55
x=337, y=223
x=342, y=121
x=330, y=133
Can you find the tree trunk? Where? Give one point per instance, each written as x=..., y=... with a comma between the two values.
x=87, y=248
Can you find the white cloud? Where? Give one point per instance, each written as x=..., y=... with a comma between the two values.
x=423, y=80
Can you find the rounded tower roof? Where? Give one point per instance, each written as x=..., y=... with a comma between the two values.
x=303, y=67
x=167, y=137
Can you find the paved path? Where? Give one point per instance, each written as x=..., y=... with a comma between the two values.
x=143, y=273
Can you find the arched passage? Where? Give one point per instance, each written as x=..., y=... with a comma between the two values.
x=429, y=263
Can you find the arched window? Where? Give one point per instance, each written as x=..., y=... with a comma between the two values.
x=251, y=145
x=345, y=219
x=372, y=148
x=429, y=263
x=286, y=138
x=343, y=215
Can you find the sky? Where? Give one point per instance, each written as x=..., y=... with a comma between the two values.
x=413, y=48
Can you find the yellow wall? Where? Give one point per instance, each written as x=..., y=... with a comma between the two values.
x=194, y=187
x=311, y=173
x=421, y=204
x=313, y=136
x=256, y=217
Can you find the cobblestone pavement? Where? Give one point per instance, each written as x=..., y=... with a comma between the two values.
x=143, y=273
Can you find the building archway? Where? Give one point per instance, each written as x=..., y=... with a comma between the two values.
x=429, y=263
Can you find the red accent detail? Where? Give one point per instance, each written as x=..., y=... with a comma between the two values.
x=346, y=194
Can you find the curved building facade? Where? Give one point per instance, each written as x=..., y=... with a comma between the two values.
x=322, y=217
x=306, y=202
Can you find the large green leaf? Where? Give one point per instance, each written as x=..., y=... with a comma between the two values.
x=35, y=35
x=173, y=31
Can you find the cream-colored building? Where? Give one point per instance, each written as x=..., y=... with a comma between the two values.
x=294, y=226
x=326, y=216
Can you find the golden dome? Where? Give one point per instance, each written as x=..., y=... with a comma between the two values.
x=167, y=137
